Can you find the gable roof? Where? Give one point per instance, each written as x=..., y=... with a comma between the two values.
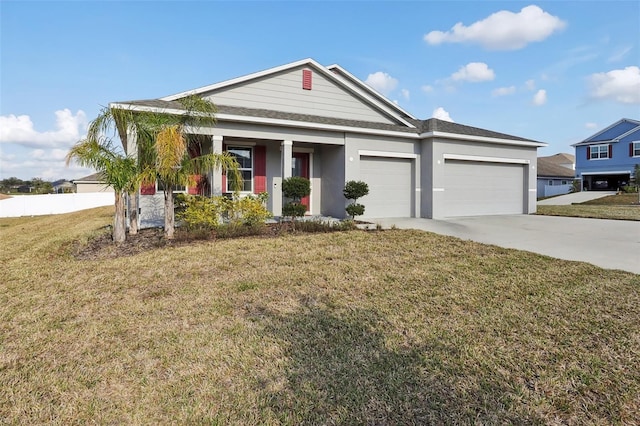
x=353, y=79
x=359, y=90
x=442, y=128
x=407, y=125
x=93, y=178
x=612, y=133
x=552, y=166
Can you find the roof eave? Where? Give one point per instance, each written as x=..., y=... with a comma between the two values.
x=502, y=141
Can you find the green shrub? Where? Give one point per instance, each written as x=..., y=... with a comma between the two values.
x=353, y=190
x=629, y=189
x=294, y=210
x=203, y=213
x=296, y=188
x=200, y=213
x=355, y=209
x=248, y=210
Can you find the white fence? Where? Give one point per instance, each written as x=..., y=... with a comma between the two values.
x=38, y=205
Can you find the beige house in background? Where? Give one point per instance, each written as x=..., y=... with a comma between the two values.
x=91, y=183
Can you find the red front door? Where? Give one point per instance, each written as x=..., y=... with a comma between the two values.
x=300, y=167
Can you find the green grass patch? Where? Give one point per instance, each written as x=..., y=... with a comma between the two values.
x=392, y=327
x=603, y=211
x=629, y=199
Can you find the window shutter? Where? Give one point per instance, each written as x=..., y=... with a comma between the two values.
x=610, y=151
x=631, y=149
x=259, y=169
x=588, y=153
x=306, y=79
x=148, y=188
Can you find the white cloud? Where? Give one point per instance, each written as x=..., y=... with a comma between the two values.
x=474, y=72
x=503, y=91
x=382, y=82
x=46, y=164
x=441, y=114
x=503, y=30
x=591, y=125
x=618, y=85
x=20, y=130
x=540, y=98
x=427, y=88
x=530, y=84
x=405, y=94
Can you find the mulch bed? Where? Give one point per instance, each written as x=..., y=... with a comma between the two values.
x=103, y=247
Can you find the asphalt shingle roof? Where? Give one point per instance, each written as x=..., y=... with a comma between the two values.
x=421, y=126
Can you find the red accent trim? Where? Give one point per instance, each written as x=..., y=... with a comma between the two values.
x=631, y=149
x=259, y=169
x=148, y=189
x=588, y=153
x=610, y=151
x=306, y=79
x=304, y=172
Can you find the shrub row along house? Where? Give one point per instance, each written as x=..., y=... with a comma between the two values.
x=606, y=160
x=305, y=119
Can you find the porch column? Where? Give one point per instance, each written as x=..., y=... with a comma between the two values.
x=216, y=175
x=287, y=156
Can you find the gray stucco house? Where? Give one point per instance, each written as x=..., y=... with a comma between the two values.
x=321, y=122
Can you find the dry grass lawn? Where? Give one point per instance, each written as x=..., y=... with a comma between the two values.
x=393, y=327
x=622, y=207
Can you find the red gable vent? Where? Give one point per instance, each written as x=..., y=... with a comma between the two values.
x=306, y=79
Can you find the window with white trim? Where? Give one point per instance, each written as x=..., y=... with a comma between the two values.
x=244, y=157
x=176, y=188
x=636, y=149
x=599, y=151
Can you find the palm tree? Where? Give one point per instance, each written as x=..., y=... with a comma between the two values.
x=172, y=162
x=125, y=122
x=117, y=169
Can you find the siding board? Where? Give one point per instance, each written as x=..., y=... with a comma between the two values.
x=284, y=92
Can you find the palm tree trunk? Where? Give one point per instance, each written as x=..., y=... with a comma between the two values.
x=133, y=212
x=119, y=228
x=169, y=220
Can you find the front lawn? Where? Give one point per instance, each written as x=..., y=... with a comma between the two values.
x=378, y=327
x=622, y=206
x=592, y=211
x=626, y=199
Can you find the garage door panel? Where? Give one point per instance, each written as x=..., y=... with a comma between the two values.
x=483, y=188
x=390, y=186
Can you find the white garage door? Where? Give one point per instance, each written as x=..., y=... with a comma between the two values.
x=483, y=188
x=390, y=186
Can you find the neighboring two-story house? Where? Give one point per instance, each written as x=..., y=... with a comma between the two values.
x=606, y=160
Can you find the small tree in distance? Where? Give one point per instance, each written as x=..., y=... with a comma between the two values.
x=353, y=190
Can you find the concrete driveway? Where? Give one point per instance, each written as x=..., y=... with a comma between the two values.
x=611, y=244
x=576, y=197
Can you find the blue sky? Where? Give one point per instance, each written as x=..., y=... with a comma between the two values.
x=555, y=71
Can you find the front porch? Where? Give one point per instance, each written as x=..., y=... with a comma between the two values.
x=264, y=163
